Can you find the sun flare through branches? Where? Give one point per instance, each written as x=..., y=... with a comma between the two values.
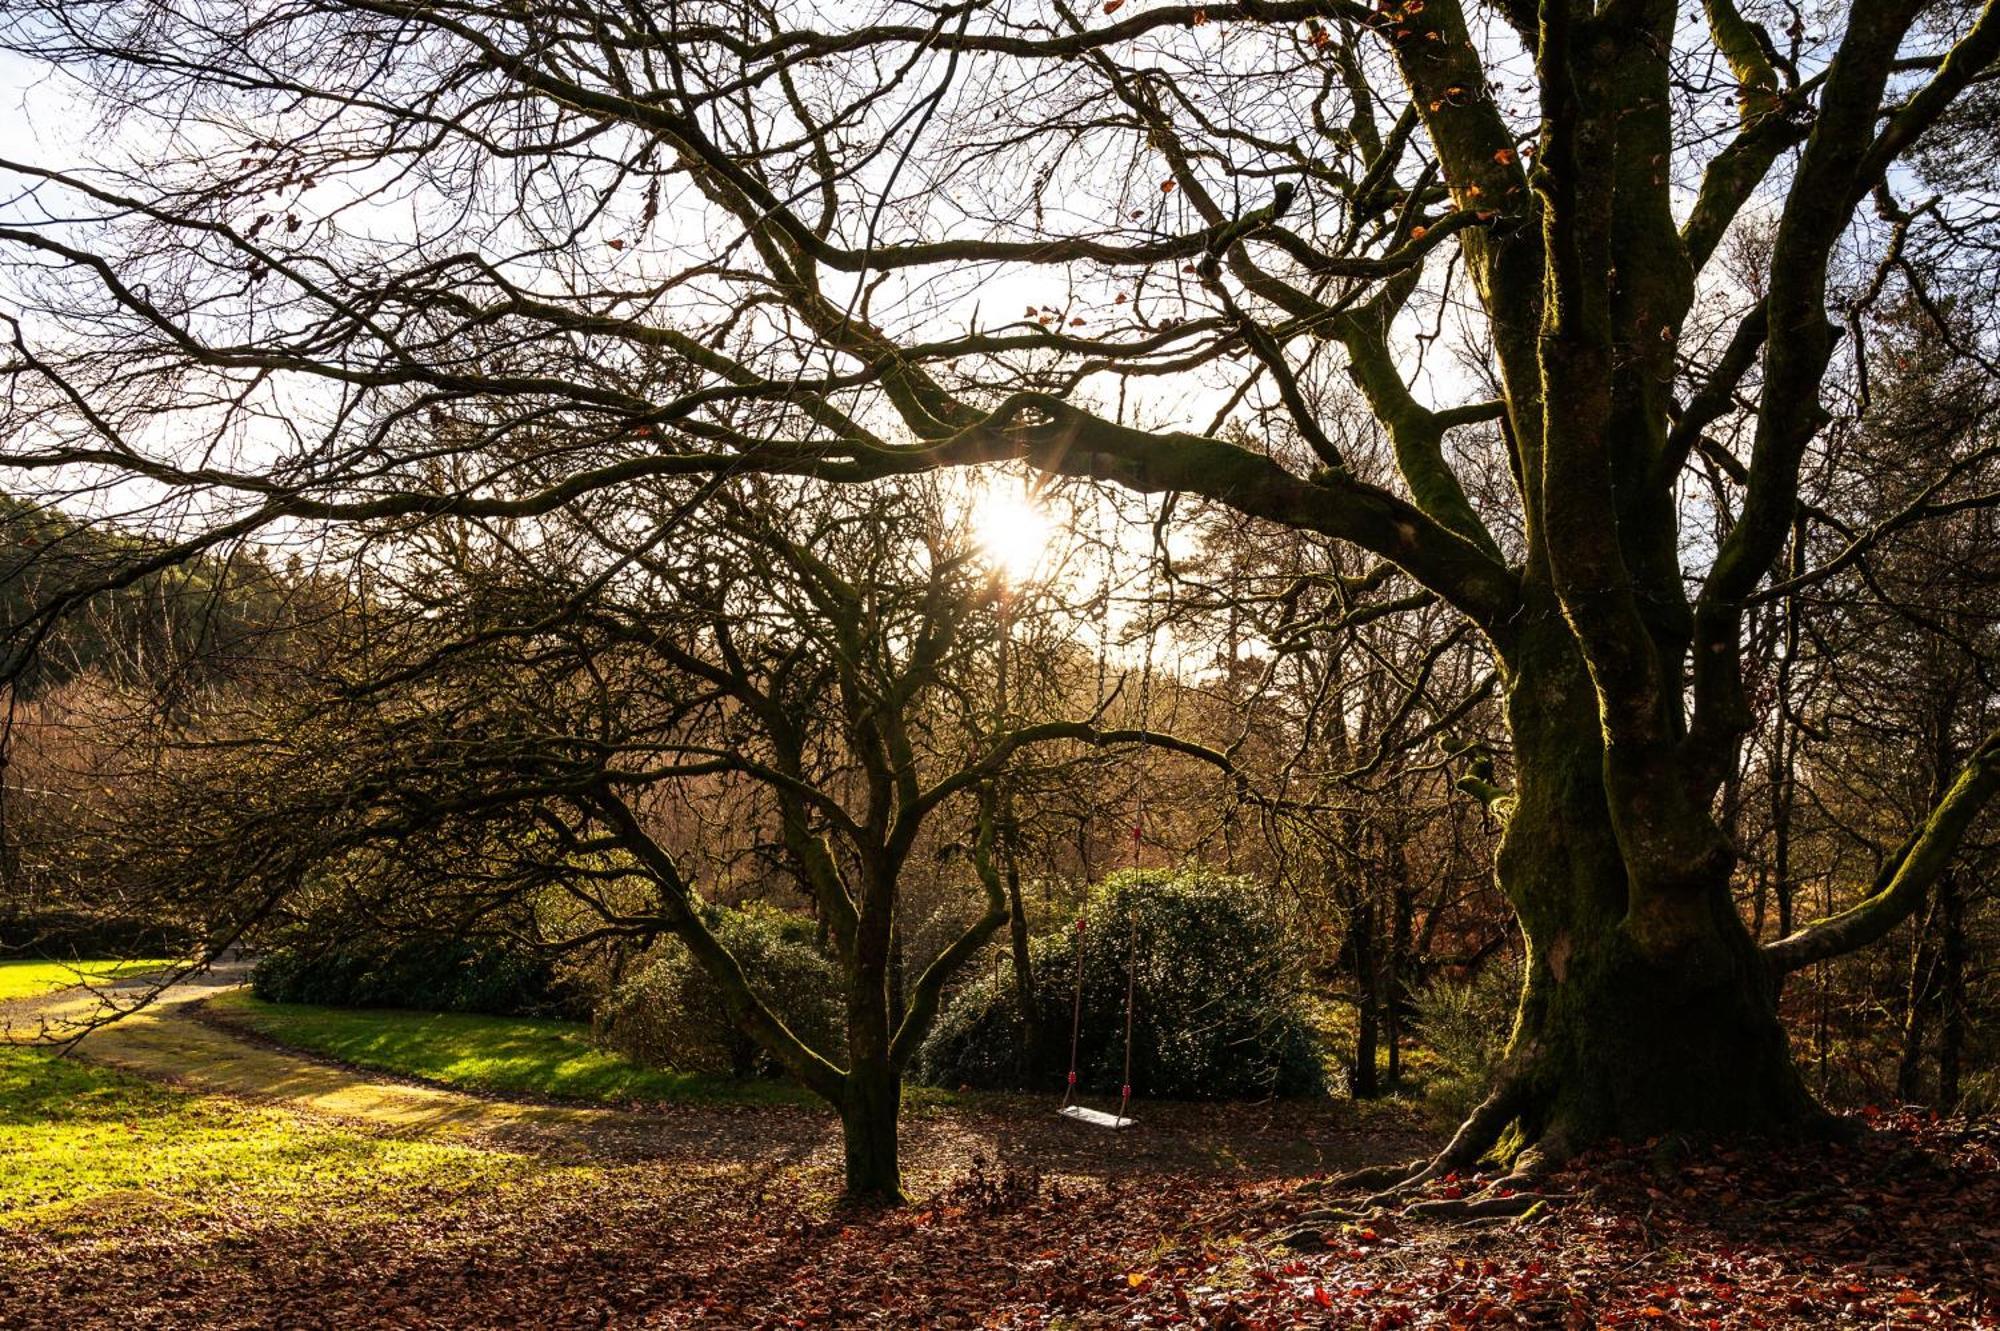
x=1015, y=531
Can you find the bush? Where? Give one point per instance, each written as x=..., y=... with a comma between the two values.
x=1465, y=1024
x=666, y=1012
x=66, y=935
x=429, y=973
x=1220, y=1004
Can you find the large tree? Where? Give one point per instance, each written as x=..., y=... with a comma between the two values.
x=341, y=260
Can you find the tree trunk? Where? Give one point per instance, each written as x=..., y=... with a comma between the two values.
x=1395, y=982
x=1632, y=1024
x=898, y=1005
x=9, y=860
x=743, y=1053
x=1920, y=996
x=1364, y=1083
x=1951, y=1024
x=868, y=1121
x=871, y=1093
x=1784, y=750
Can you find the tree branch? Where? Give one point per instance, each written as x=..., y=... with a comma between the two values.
x=1906, y=879
x=746, y=1007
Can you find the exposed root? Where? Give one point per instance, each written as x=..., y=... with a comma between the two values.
x=1539, y=1159
x=1475, y=1137
x=1512, y=1195
x=1306, y=1236
x=1486, y=1206
x=1371, y=1178
x=1496, y=1201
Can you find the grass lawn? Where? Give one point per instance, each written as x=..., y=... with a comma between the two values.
x=511, y=1055
x=30, y=979
x=125, y=1204
x=80, y=1145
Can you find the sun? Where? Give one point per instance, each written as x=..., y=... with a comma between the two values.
x=1014, y=531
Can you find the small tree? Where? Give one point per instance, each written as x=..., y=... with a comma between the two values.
x=598, y=718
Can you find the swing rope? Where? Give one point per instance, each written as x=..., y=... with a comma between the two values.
x=1131, y=917
x=1138, y=863
x=1131, y=986
x=1075, y=1018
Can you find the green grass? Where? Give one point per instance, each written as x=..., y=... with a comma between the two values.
x=82, y=1146
x=31, y=979
x=511, y=1055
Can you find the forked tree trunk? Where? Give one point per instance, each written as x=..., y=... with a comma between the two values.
x=1622, y=1032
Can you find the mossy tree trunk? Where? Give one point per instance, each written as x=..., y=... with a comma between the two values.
x=869, y=1121
x=1647, y=1007
x=1636, y=1020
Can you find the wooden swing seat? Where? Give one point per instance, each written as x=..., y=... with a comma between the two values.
x=1097, y=1118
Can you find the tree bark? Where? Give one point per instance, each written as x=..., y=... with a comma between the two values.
x=1919, y=997
x=897, y=1004
x=1951, y=1025
x=1395, y=980
x=1364, y=1083
x=1630, y=1026
x=1785, y=746
x=868, y=1121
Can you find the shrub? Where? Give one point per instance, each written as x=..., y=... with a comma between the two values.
x=666, y=1011
x=433, y=974
x=67, y=935
x=1465, y=1023
x=1219, y=1000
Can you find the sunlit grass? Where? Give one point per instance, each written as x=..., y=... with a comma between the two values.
x=510, y=1055
x=31, y=979
x=80, y=1143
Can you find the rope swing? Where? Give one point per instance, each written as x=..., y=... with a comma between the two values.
x=1097, y=1118
x=1069, y=1108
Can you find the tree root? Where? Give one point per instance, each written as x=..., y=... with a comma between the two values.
x=1483, y=1207
x=1511, y=1196
x=1370, y=1179
x=1474, y=1138
x=1496, y=1201
x=1305, y=1236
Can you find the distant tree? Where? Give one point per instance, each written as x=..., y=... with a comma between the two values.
x=1887, y=674
x=115, y=657
x=1359, y=696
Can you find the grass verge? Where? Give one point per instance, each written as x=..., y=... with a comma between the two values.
x=84, y=1146
x=508, y=1055
x=32, y=979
